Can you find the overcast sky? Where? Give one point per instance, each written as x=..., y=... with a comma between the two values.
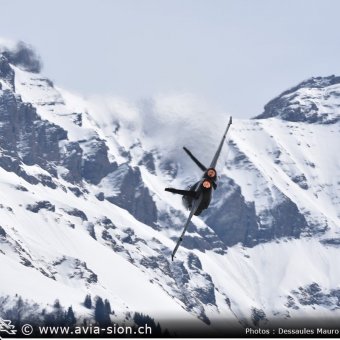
x=235, y=54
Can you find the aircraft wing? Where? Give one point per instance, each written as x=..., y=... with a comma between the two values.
x=193, y=209
x=217, y=154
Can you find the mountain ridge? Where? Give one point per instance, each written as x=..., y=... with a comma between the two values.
x=307, y=102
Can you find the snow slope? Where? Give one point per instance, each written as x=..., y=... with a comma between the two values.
x=93, y=218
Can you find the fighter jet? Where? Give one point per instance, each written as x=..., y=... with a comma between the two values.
x=198, y=196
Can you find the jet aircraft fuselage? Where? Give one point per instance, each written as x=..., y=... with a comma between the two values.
x=198, y=196
x=200, y=188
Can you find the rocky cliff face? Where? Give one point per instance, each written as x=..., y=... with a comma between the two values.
x=6, y=72
x=28, y=139
x=130, y=193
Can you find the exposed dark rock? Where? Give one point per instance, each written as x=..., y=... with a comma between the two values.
x=194, y=262
x=47, y=140
x=194, y=297
x=21, y=188
x=129, y=237
x=106, y=223
x=313, y=294
x=258, y=316
x=71, y=159
x=90, y=276
x=26, y=262
x=291, y=303
x=331, y=241
x=41, y=205
x=95, y=162
x=2, y=232
x=180, y=274
x=78, y=119
x=46, y=181
x=207, y=241
x=214, y=241
x=170, y=219
x=106, y=235
x=133, y=196
x=161, y=262
x=12, y=164
x=45, y=273
x=90, y=228
x=7, y=208
x=30, y=179
x=76, y=269
x=206, y=293
x=26, y=137
x=100, y=196
x=8, y=118
x=335, y=293
x=234, y=220
x=286, y=220
x=76, y=212
x=169, y=167
x=194, y=242
x=71, y=225
x=301, y=181
x=6, y=72
x=45, y=82
x=149, y=262
x=148, y=161
x=76, y=191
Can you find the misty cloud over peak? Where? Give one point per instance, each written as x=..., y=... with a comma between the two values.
x=22, y=55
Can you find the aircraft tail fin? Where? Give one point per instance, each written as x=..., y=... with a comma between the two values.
x=197, y=162
x=217, y=154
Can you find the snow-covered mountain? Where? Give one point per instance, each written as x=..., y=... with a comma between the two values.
x=83, y=208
